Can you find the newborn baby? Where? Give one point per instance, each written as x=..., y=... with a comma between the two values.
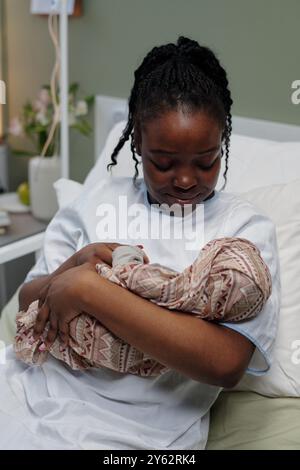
x=228, y=281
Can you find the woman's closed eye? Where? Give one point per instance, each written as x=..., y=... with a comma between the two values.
x=168, y=167
x=161, y=167
x=207, y=167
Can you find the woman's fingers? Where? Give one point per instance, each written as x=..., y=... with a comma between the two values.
x=52, y=332
x=42, y=295
x=146, y=259
x=41, y=320
x=96, y=253
x=64, y=338
x=105, y=254
x=113, y=246
x=64, y=332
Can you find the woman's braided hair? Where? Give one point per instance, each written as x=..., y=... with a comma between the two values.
x=184, y=75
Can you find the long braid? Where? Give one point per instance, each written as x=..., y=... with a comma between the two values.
x=184, y=74
x=132, y=146
x=149, y=62
x=227, y=143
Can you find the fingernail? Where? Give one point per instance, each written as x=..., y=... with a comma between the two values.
x=42, y=347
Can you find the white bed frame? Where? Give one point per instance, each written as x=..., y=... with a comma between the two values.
x=110, y=110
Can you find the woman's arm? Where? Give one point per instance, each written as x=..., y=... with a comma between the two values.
x=92, y=253
x=205, y=351
x=30, y=290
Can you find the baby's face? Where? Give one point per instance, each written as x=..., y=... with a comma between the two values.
x=181, y=155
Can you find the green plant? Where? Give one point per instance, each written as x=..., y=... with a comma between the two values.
x=36, y=119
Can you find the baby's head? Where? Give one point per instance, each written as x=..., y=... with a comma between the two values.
x=179, y=120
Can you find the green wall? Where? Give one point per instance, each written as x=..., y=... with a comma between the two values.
x=258, y=41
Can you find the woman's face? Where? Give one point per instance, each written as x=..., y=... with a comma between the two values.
x=181, y=156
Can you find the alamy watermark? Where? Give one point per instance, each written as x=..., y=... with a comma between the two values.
x=295, y=96
x=137, y=222
x=2, y=352
x=295, y=358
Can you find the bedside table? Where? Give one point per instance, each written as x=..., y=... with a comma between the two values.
x=25, y=235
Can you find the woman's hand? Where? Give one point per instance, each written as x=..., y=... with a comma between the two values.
x=96, y=253
x=93, y=253
x=61, y=301
x=99, y=253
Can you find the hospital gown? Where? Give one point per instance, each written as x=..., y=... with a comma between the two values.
x=54, y=407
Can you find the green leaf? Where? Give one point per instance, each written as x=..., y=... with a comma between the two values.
x=89, y=100
x=73, y=88
x=83, y=127
x=39, y=128
x=28, y=110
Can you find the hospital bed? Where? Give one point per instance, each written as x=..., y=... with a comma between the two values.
x=264, y=168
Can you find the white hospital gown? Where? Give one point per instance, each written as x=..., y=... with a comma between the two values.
x=54, y=407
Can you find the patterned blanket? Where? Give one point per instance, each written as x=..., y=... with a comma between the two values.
x=228, y=281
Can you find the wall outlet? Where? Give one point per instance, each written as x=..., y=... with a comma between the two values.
x=45, y=7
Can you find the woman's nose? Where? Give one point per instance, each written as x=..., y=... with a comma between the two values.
x=185, y=180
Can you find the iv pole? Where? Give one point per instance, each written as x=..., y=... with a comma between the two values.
x=64, y=125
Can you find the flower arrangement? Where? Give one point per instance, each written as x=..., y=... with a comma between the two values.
x=37, y=117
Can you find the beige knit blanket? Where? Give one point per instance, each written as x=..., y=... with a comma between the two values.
x=228, y=281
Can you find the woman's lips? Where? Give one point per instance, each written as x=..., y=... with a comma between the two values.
x=181, y=201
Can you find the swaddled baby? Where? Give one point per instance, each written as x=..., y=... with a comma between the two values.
x=228, y=281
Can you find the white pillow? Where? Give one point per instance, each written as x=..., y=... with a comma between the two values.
x=67, y=191
x=257, y=162
x=281, y=203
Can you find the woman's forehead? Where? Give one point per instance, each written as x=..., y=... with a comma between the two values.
x=177, y=128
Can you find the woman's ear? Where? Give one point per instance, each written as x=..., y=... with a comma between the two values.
x=137, y=141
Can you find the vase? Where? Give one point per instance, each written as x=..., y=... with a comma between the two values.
x=3, y=168
x=43, y=172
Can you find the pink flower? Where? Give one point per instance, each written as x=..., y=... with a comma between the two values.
x=42, y=101
x=39, y=106
x=15, y=127
x=44, y=96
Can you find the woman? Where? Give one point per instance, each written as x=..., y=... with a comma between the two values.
x=179, y=121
